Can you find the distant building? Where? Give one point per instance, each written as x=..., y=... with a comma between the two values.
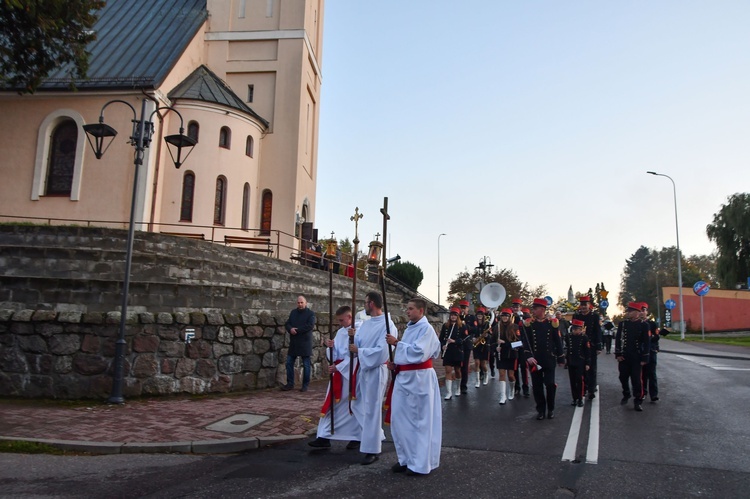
x=244, y=74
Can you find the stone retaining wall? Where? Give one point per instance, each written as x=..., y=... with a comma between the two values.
x=69, y=355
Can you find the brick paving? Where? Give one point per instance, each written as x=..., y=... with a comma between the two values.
x=165, y=419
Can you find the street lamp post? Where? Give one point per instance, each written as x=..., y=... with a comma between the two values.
x=441, y=235
x=143, y=128
x=679, y=255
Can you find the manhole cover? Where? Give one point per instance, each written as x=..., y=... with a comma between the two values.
x=237, y=423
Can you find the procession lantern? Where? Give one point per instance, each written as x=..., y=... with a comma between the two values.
x=373, y=255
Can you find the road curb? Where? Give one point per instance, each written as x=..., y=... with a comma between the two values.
x=226, y=446
x=714, y=356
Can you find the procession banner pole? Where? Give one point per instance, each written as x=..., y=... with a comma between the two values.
x=352, y=386
x=330, y=330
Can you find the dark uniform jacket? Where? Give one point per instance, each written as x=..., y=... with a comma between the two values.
x=633, y=340
x=469, y=321
x=300, y=344
x=578, y=350
x=593, y=328
x=507, y=352
x=477, y=332
x=455, y=351
x=543, y=342
x=654, y=336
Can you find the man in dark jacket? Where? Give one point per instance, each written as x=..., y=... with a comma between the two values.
x=300, y=327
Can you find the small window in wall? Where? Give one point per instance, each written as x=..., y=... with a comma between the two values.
x=62, y=159
x=225, y=137
x=220, y=200
x=246, y=207
x=193, y=130
x=188, y=190
x=265, y=215
x=250, y=92
x=249, y=145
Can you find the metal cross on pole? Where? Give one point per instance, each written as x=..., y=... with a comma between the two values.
x=386, y=217
x=354, y=218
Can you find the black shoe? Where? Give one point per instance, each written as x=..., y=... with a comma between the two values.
x=638, y=408
x=580, y=403
x=369, y=459
x=592, y=396
x=464, y=390
x=574, y=403
x=398, y=468
x=414, y=473
x=526, y=395
x=654, y=399
x=540, y=416
x=517, y=390
x=286, y=388
x=303, y=389
x=624, y=399
x=551, y=415
x=352, y=445
x=320, y=443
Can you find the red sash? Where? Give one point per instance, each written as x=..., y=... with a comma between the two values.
x=334, y=391
x=406, y=367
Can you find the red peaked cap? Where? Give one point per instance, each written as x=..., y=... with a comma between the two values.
x=644, y=305
x=539, y=302
x=463, y=303
x=455, y=310
x=635, y=305
x=506, y=311
x=481, y=310
x=517, y=301
x=577, y=323
x=526, y=310
x=585, y=299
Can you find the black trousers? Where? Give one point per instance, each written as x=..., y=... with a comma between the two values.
x=608, y=343
x=493, y=357
x=591, y=374
x=648, y=377
x=522, y=373
x=577, y=377
x=630, y=374
x=541, y=382
x=465, y=369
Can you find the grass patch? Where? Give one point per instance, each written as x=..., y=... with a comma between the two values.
x=18, y=447
x=742, y=341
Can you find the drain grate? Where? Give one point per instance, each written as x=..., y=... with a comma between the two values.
x=237, y=423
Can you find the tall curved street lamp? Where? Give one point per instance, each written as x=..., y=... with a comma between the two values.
x=679, y=255
x=441, y=235
x=100, y=137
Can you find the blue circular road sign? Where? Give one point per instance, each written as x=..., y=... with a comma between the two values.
x=549, y=300
x=604, y=304
x=701, y=288
x=670, y=304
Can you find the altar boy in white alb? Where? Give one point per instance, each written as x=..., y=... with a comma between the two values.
x=416, y=418
x=345, y=425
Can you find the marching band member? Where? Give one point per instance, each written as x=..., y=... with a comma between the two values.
x=632, y=347
x=492, y=340
x=577, y=359
x=470, y=322
x=650, y=385
x=543, y=346
x=507, y=356
x=522, y=373
x=593, y=329
x=452, y=335
x=480, y=335
x=346, y=426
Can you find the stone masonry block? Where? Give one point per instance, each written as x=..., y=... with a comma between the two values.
x=70, y=317
x=43, y=315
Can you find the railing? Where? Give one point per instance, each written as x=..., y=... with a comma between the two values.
x=282, y=243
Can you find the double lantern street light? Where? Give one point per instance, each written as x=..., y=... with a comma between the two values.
x=679, y=255
x=100, y=137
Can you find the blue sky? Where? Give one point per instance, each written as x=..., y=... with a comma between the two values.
x=523, y=130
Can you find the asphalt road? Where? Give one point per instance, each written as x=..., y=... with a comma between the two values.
x=695, y=442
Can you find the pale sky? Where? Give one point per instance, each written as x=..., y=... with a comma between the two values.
x=524, y=130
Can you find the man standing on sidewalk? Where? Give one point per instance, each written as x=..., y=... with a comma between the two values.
x=416, y=413
x=300, y=327
x=372, y=379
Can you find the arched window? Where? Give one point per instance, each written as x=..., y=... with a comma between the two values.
x=225, y=137
x=188, y=190
x=220, y=202
x=265, y=214
x=249, y=144
x=246, y=207
x=62, y=159
x=193, y=130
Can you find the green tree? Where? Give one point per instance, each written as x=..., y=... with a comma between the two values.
x=730, y=230
x=636, y=281
x=41, y=35
x=465, y=285
x=407, y=273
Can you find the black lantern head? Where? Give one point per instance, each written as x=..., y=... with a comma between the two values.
x=101, y=133
x=176, y=144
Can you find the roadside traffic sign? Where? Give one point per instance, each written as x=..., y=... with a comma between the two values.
x=549, y=300
x=604, y=304
x=670, y=304
x=701, y=288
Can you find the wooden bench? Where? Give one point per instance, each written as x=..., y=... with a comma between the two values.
x=200, y=237
x=258, y=244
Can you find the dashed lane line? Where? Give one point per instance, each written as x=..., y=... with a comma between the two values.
x=592, y=453
x=569, y=454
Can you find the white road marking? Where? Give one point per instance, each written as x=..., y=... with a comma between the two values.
x=592, y=453
x=711, y=363
x=569, y=454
